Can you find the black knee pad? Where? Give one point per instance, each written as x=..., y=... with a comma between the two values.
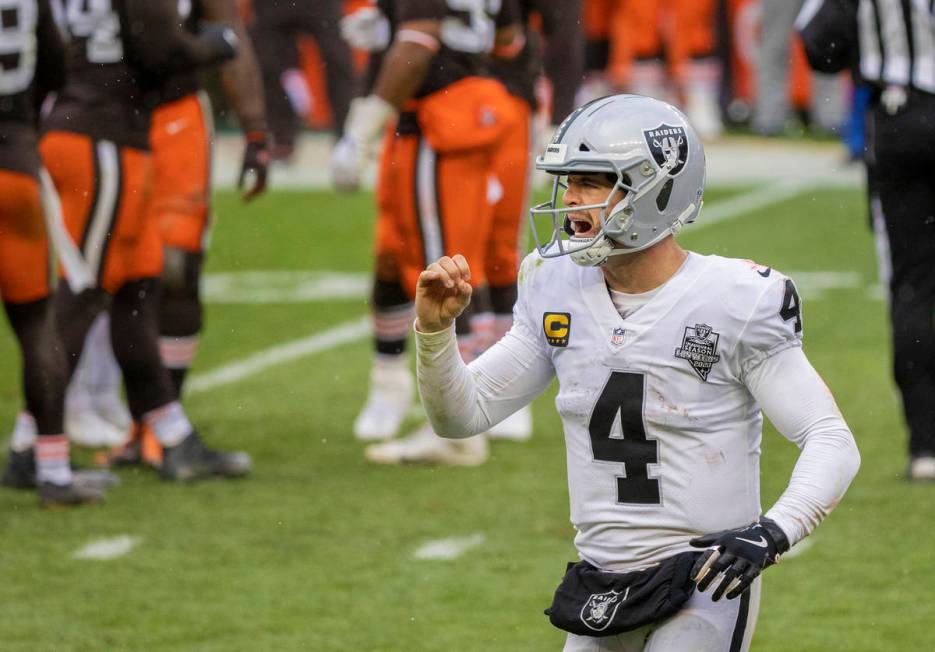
x=389, y=294
x=135, y=339
x=180, y=310
x=503, y=298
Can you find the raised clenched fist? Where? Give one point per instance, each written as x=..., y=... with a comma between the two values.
x=442, y=293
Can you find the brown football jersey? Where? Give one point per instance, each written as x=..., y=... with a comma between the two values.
x=467, y=34
x=32, y=63
x=121, y=52
x=187, y=81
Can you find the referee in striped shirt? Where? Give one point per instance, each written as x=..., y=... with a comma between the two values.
x=890, y=46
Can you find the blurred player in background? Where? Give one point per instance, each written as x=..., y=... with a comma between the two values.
x=773, y=63
x=659, y=48
x=33, y=65
x=182, y=138
x=277, y=24
x=96, y=147
x=433, y=186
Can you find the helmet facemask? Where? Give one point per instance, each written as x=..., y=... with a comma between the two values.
x=614, y=220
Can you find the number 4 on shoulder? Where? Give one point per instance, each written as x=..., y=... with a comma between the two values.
x=791, y=306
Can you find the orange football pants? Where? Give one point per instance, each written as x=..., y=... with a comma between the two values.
x=511, y=166
x=432, y=188
x=180, y=137
x=678, y=30
x=24, y=246
x=105, y=192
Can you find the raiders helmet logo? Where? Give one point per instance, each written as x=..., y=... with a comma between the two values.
x=669, y=146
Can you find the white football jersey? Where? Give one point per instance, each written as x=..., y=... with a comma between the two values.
x=662, y=435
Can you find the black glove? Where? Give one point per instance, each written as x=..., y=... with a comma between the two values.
x=739, y=554
x=220, y=41
x=255, y=162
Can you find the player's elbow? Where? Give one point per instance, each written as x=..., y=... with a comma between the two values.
x=852, y=457
x=453, y=429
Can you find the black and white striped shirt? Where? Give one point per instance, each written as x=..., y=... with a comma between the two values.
x=887, y=42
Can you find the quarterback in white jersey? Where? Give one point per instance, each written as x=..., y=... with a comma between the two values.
x=665, y=359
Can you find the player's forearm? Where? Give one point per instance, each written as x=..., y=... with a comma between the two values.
x=799, y=404
x=243, y=85
x=465, y=400
x=240, y=77
x=448, y=391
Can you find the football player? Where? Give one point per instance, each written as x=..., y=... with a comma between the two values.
x=276, y=26
x=181, y=138
x=432, y=191
x=33, y=65
x=96, y=148
x=666, y=360
x=656, y=42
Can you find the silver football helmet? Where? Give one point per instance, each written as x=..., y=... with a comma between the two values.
x=659, y=164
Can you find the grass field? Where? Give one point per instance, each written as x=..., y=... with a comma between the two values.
x=315, y=551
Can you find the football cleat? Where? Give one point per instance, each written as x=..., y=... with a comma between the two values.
x=20, y=470
x=516, y=427
x=391, y=392
x=922, y=468
x=68, y=495
x=425, y=447
x=191, y=460
x=20, y=473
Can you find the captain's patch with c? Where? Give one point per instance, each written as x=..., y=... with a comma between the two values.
x=557, y=327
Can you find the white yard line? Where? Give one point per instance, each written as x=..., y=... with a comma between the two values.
x=280, y=354
x=447, y=549
x=106, y=549
x=759, y=197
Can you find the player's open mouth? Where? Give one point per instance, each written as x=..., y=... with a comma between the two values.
x=580, y=226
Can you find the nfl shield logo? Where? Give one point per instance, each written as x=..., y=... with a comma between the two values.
x=599, y=611
x=669, y=146
x=617, y=337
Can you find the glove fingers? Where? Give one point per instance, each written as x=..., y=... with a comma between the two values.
x=723, y=562
x=744, y=582
x=730, y=578
x=703, y=564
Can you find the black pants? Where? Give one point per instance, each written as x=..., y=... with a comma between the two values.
x=902, y=196
x=277, y=24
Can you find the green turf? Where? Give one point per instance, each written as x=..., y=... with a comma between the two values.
x=314, y=551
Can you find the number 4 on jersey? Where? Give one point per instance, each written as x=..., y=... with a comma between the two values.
x=791, y=306
x=623, y=396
